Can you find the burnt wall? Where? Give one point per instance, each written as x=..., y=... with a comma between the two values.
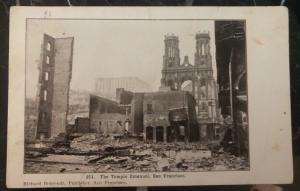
x=82, y=125
x=230, y=48
x=62, y=74
x=45, y=106
x=137, y=116
x=106, y=116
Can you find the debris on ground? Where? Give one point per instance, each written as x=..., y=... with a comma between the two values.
x=34, y=154
x=99, y=153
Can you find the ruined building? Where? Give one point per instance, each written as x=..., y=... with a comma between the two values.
x=232, y=78
x=167, y=116
x=55, y=72
x=158, y=116
x=107, y=116
x=112, y=117
x=204, y=88
x=78, y=105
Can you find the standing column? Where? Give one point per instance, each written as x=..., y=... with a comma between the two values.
x=165, y=134
x=199, y=133
x=196, y=97
x=145, y=133
x=154, y=134
x=193, y=88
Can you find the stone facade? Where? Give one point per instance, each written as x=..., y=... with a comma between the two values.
x=55, y=72
x=159, y=116
x=151, y=114
x=204, y=88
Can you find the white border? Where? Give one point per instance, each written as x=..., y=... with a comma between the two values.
x=268, y=91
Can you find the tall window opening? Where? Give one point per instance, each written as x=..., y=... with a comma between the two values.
x=47, y=60
x=149, y=108
x=48, y=46
x=45, y=95
x=46, y=76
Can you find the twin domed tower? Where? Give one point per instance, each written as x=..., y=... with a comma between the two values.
x=204, y=88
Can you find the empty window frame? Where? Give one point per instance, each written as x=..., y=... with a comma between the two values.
x=47, y=60
x=149, y=108
x=45, y=95
x=48, y=46
x=46, y=76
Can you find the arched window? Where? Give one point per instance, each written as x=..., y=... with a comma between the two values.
x=46, y=76
x=45, y=95
x=187, y=86
x=202, y=49
x=47, y=60
x=48, y=46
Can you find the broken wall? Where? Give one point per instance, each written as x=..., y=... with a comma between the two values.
x=157, y=106
x=55, y=73
x=108, y=123
x=82, y=125
x=106, y=116
x=137, y=118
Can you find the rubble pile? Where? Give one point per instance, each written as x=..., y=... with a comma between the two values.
x=86, y=143
x=34, y=154
x=109, y=154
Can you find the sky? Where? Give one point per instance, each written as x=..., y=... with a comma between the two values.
x=113, y=48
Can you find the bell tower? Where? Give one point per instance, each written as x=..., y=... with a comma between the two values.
x=171, y=56
x=171, y=62
x=202, y=54
x=203, y=86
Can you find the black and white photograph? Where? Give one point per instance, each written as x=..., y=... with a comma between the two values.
x=127, y=95
x=148, y=96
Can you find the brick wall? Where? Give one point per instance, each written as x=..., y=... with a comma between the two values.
x=106, y=116
x=54, y=83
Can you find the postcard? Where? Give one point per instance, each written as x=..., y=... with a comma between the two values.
x=148, y=96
